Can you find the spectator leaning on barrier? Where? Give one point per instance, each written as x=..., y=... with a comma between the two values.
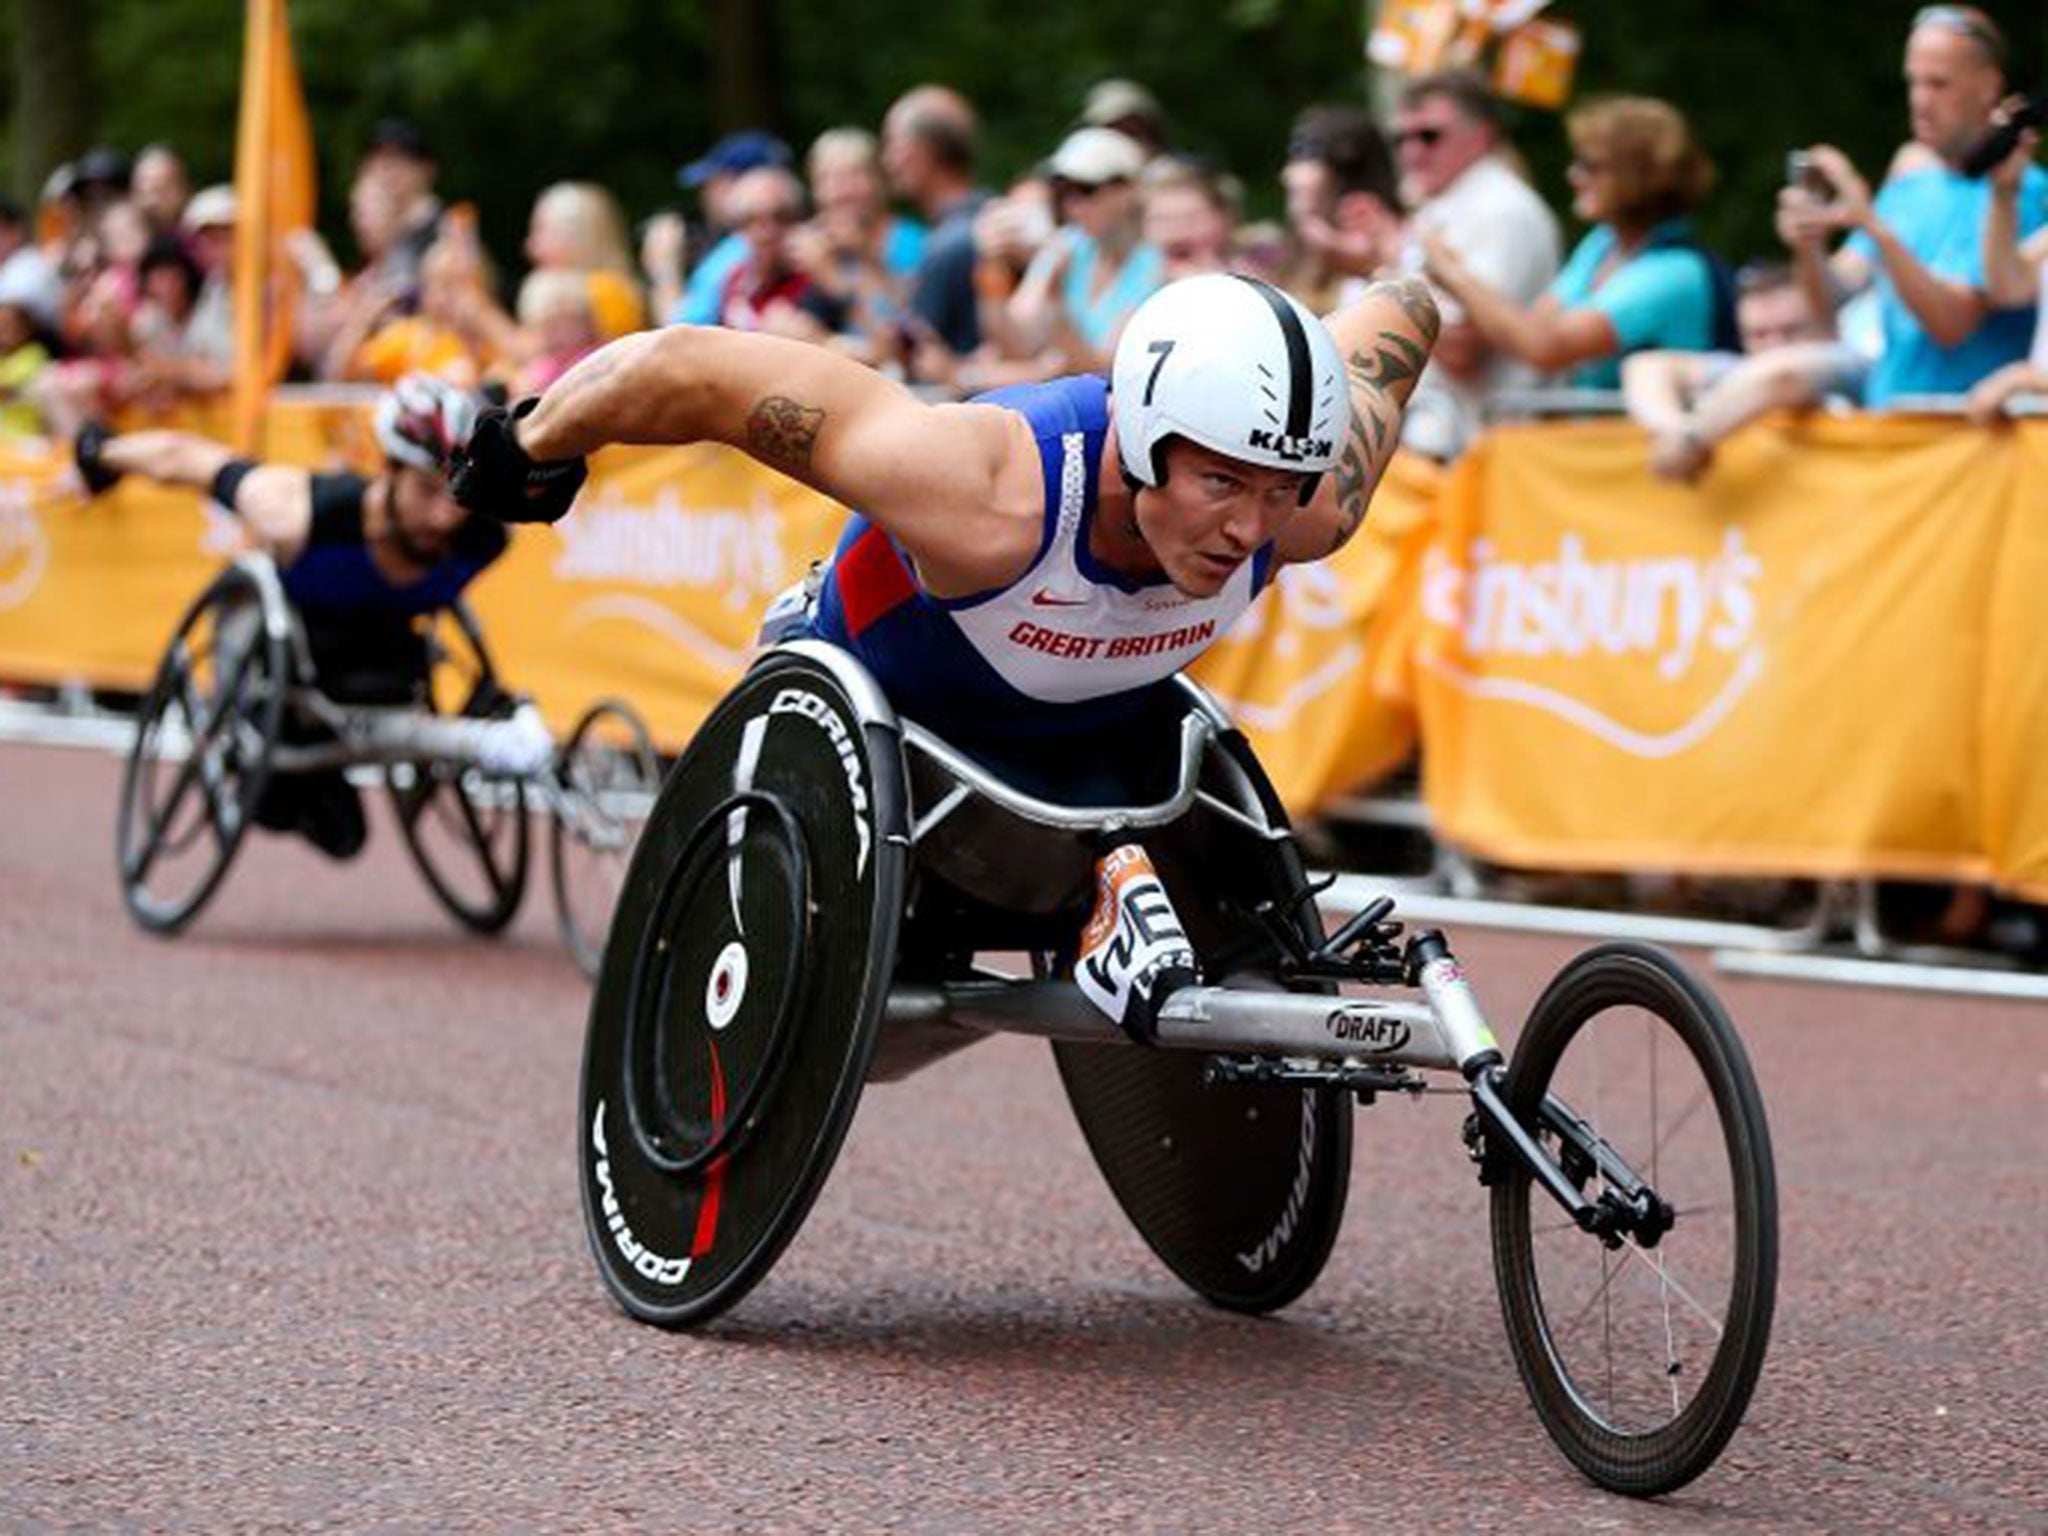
x=342, y=313
x=2015, y=273
x=160, y=187
x=1455, y=176
x=767, y=289
x=399, y=157
x=1639, y=279
x=23, y=360
x=1343, y=205
x=928, y=150
x=1191, y=214
x=1691, y=401
x=858, y=255
x=576, y=226
x=446, y=337
x=1922, y=239
x=712, y=177
x=1084, y=282
x=26, y=272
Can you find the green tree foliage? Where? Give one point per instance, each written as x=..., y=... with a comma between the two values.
x=623, y=91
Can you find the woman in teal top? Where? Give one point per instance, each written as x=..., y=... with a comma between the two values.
x=1097, y=268
x=1639, y=279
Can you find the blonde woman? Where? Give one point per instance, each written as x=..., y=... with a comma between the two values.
x=576, y=226
x=1639, y=280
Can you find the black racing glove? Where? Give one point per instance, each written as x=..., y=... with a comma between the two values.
x=99, y=476
x=493, y=475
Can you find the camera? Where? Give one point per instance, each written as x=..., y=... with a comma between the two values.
x=1803, y=173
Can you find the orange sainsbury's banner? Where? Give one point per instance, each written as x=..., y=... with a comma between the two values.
x=2013, y=720
x=1782, y=671
x=1832, y=658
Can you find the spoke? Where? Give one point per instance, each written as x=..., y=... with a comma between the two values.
x=1655, y=1264
x=1607, y=1278
x=1656, y=1143
x=481, y=840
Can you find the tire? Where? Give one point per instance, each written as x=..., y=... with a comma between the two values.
x=467, y=832
x=466, y=829
x=1640, y=1359
x=203, y=745
x=609, y=775
x=734, y=1014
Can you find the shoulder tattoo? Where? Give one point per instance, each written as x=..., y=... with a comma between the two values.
x=781, y=433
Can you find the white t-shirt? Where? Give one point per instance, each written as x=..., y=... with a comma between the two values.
x=1508, y=236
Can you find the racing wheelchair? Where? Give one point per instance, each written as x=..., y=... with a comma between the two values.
x=811, y=907
x=238, y=705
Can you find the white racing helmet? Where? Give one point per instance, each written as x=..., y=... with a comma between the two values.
x=422, y=419
x=1235, y=365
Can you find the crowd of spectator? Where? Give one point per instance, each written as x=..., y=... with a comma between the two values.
x=889, y=247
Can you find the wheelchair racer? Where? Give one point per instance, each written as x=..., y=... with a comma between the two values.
x=359, y=557
x=1011, y=579
x=1027, y=571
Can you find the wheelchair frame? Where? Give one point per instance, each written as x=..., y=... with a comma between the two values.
x=714, y=1105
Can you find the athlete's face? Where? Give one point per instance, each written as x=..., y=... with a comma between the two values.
x=1211, y=514
x=424, y=516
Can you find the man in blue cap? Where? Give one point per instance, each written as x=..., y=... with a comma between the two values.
x=711, y=177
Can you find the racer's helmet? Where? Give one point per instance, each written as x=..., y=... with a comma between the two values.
x=422, y=419
x=1235, y=365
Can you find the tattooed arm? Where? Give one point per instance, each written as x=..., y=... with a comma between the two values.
x=1385, y=339
x=943, y=479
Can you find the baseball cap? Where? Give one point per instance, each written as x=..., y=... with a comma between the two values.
x=1112, y=101
x=1092, y=156
x=101, y=167
x=211, y=208
x=401, y=137
x=747, y=150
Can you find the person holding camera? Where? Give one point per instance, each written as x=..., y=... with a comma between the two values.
x=2015, y=272
x=1920, y=239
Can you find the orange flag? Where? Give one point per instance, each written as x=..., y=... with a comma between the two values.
x=274, y=190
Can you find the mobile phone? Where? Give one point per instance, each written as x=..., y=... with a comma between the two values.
x=1801, y=172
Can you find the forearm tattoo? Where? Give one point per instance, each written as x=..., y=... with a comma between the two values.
x=781, y=433
x=1394, y=360
x=1375, y=370
x=1354, y=483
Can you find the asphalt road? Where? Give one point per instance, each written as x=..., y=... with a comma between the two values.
x=289, y=1237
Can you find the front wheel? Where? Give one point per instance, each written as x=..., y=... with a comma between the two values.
x=1640, y=1357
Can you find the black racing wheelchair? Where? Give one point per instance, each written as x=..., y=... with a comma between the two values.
x=238, y=711
x=812, y=905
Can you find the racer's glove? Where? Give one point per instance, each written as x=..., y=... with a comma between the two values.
x=99, y=476
x=492, y=474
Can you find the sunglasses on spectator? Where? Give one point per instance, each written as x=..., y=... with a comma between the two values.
x=1067, y=188
x=1586, y=167
x=1428, y=138
x=1966, y=22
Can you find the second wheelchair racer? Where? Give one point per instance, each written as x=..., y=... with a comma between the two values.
x=360, y=558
